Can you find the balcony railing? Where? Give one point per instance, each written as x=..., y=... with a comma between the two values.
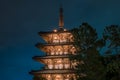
x=53, y=71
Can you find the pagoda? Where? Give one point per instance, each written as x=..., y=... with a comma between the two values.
x=58, y=47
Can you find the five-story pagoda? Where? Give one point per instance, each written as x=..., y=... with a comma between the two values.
x=58, y=47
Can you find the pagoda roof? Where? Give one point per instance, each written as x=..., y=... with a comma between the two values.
x=50, y=57
x=42, y=58
x=52, y=32
x=53, y=44
x=52, y=71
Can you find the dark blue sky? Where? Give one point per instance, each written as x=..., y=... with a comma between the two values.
x=21, y=20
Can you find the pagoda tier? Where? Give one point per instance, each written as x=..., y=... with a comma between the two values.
x=57, y=36
x=57, y=49
x=56, y=62
x=55, y=74
x=41, y=58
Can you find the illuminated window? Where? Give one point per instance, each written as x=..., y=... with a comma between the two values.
x=65, y=52
x=55, y=39
x=56, y=66
x=63, y=38
x=60, y=66
x=58, y=77
x=50, y=66
x=57, y=53
x=60, y=51
x=52, y=53
x=67, y=77
x=67, y=66
x=48, y=77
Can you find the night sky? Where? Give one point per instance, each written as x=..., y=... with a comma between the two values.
x=21, y=20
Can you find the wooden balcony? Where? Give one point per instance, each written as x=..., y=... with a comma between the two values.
x=53, y=71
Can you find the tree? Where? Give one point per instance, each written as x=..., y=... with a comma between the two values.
x=111, y=36
x=89, y=64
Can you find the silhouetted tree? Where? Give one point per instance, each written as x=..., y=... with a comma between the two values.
x=89, y=64
x=112, y=37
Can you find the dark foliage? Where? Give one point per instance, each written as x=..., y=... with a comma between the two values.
x=112, y=37
x=88, y=46
x=90, y=64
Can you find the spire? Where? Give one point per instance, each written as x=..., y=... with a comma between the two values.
x=61, y=22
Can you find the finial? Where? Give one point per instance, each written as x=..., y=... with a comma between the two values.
x=61, y=22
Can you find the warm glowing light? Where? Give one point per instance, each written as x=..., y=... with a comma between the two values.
x=66, y=52
x=60, y=66
x=65, y=29
x=50, y=66
x=55, y=30
x=68, y=75
x=58, y=77
x=71, y=36
x=73, y=47
x=59, y=61
x=61, y=52
x=52, y=53
x=58, y=49
x=56, y=66
x=55, y=37
x=48, y=76
x=67, y=66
